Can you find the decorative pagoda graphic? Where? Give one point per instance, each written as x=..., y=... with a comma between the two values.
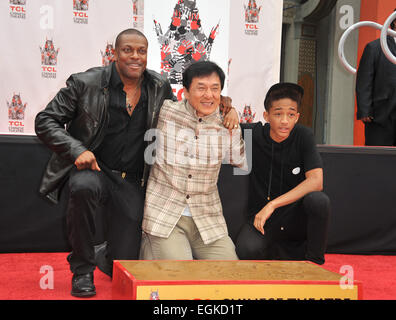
x=154, y=295
x=18, y=2
x=108, y=55
x=252, y=12
x=135, y=7
x=49, y=56
x=247, y=116
x=184, y=42
x=81, y=5
x=138, y=14
x=16, y=109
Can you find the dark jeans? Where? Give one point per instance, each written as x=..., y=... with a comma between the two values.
x=92, y=193
x=294, y=232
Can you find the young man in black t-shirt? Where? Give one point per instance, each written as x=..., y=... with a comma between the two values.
x=288, y=212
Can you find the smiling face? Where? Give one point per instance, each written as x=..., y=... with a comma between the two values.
x=282, y=117
x=131, y=57
x=204, y=94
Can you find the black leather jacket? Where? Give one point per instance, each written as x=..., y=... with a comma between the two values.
x=75, y=119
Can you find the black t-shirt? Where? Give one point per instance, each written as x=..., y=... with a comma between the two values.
x=279, y=167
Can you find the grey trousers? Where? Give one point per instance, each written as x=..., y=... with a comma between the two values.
x=185, y=243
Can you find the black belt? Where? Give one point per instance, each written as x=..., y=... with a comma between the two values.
x=135, y=176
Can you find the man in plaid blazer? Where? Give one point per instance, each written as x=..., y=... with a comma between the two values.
x=183, y=216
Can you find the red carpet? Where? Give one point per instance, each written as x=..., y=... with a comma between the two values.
x=376, y=273
x=20, y=277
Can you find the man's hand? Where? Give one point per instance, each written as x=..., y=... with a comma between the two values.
x=367, y=119
x=262, y=216
x=86, y=160
x=231, y=120
x=225, y=105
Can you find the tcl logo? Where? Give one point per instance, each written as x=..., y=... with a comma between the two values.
x=80, y=14
x=251, y=26
x=17, y=9
x=48, y=69
x=16, y=124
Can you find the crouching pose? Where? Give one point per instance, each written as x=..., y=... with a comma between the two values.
x=289, y=213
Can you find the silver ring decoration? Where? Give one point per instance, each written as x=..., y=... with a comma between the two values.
x=384, y=32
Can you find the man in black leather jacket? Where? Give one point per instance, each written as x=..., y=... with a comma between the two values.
x=95, y=127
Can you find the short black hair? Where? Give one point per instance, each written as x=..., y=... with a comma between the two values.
x=128, y=31
x=202, y=69
x=281, y=91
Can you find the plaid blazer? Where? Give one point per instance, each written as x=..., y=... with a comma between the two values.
x=189, y=151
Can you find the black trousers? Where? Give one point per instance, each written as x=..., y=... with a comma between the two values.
x=294, y=232
x=97, y=195
x=380, y=134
